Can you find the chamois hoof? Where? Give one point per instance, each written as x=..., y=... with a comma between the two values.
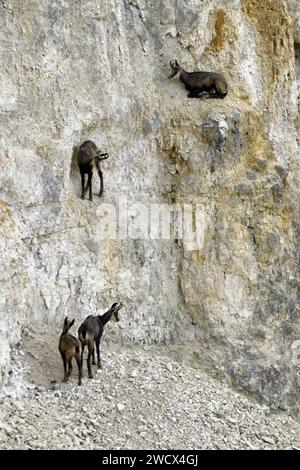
x=91, y=377
x=99, y=366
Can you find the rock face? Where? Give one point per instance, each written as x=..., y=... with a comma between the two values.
x=77, y=70
x=295, y=13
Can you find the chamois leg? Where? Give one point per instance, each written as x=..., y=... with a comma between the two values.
x=82, y=186
x=98, y=354
x=213, y=93
x=91, y=348
x=79, y=365
x=82, y=350
x=222, y=96
x=93, y=360
x=195, y=93
x=65, y=363
x=100, y=173
x=90, y=175
x=69, y=370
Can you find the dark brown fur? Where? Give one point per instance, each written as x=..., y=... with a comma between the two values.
x=198, y=82
x=90, y=332
x=70, y=347
x=89, y=157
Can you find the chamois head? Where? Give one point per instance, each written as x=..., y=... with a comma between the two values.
x=67, y=325
x=116, y=307
x=175, y=69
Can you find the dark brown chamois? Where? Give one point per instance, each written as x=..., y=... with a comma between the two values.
x=90, y=332
x=89, y=157
x=198, y=82
x=69, y=347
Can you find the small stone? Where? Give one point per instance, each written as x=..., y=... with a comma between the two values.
x=245, y=189
x=120, y=407
x=268, y=439
x=134, y=373
x=277, y=190
x=261, y=164
x=251, y=175
x=136, y=359
x=281, y=171
x=172, y=31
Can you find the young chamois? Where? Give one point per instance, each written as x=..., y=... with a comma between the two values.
x=70, y=347
x=89, y=157
x=198, y=82
x=90, y=332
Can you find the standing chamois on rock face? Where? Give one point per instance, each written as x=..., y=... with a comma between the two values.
x=90, y=332
x=89, y=157
x=198, y=82
x=70, y=347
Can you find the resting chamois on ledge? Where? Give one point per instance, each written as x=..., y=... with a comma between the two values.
x=198, y=82
x=89, y=157
x=90, y=332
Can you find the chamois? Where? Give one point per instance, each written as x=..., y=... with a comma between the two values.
x=198, y=82
x=89, y=157
x=90, y=332
x=70, y=347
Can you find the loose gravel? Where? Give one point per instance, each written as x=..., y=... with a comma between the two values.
x=142, y=399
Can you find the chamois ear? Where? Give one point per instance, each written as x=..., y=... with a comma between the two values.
x=66, y=321
x=118, y=306
x=72, y=322
x=174, y=64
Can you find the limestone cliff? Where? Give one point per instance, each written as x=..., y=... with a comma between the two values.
x=84, y=69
